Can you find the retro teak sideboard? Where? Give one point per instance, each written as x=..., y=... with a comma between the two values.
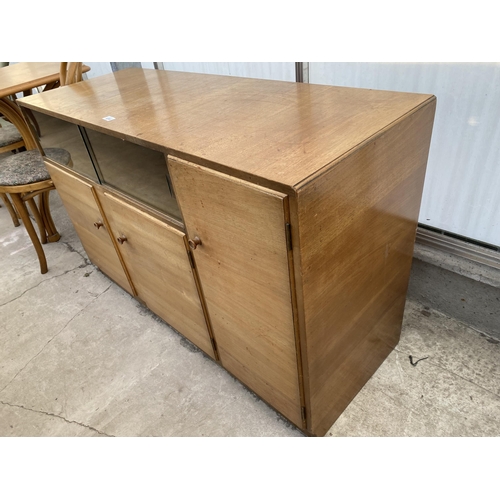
x=271, y=223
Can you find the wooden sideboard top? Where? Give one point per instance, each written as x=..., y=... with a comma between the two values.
x=283, y=132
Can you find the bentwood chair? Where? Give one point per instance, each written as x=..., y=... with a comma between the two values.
x=10, y=141
x=23, y=176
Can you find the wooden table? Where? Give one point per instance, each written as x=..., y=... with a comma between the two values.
x=24, y=77
x=289, y=256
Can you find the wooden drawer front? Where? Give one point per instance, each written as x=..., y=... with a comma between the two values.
x=78, y=197
x=156, y=257
x=243, y=267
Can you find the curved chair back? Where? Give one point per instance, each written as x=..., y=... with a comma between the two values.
x=70, y=73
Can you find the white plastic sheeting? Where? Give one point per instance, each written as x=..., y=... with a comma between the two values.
x=102, y=68
x=265, y=70
x=97, y=69
x=462, y=185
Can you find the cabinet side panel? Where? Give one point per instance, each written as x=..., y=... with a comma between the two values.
x=357, y=225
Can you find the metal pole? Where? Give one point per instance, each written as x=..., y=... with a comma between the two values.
x=302, y=72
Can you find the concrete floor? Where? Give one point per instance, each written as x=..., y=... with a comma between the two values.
x=80, y=357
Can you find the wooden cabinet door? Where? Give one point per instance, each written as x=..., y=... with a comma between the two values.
x=156, y=257
x=242, y=263
x=79, y=199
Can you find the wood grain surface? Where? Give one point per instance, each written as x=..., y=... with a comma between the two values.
x=79, y=199
x=156, y=258
x=243, y=267
x=258, y=130
x=357, y=225
x=304, y=327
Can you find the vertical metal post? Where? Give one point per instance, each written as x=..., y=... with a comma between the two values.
x=302, y=72
x=158, y=65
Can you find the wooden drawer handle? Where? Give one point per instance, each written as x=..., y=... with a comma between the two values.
x=121, y=239
x=98, y=224
x=194, y=242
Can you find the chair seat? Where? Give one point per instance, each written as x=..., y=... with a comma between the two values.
x=27, y=167
x=8, y=134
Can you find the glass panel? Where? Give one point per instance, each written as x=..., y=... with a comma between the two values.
x=57, y=133
x=135, y=170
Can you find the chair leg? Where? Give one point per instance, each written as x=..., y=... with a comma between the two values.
x=39, y=221
x=10, y=208
x=23, y=212
x=52, y=233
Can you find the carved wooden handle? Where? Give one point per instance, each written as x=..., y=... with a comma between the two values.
x=194, y=242
x=98, y=224
x=121, y=239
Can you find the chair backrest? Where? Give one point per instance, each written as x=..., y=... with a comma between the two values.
x=11, y=111
x=70, y=73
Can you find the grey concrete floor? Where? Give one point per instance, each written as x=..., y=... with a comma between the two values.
x=465, y=290
x=80, y=357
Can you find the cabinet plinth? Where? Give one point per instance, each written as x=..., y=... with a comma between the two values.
x=285, y=248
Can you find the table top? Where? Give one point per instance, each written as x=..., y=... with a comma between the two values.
x=27, y=75
x=280, y=132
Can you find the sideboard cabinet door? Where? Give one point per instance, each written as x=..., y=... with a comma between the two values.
x=156, y=257
x=237, y=232
x=79, y=199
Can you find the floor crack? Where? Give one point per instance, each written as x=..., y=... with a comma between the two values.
x=57, y=416
x=52, y=338
x=43, y=281
x=71, y=248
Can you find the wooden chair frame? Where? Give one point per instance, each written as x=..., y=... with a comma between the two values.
x=70, y=73
x=24, y=194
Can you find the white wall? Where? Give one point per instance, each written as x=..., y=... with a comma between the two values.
x=462, y=185
x=102, y=68
x=265, y=70
x=97, y=69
